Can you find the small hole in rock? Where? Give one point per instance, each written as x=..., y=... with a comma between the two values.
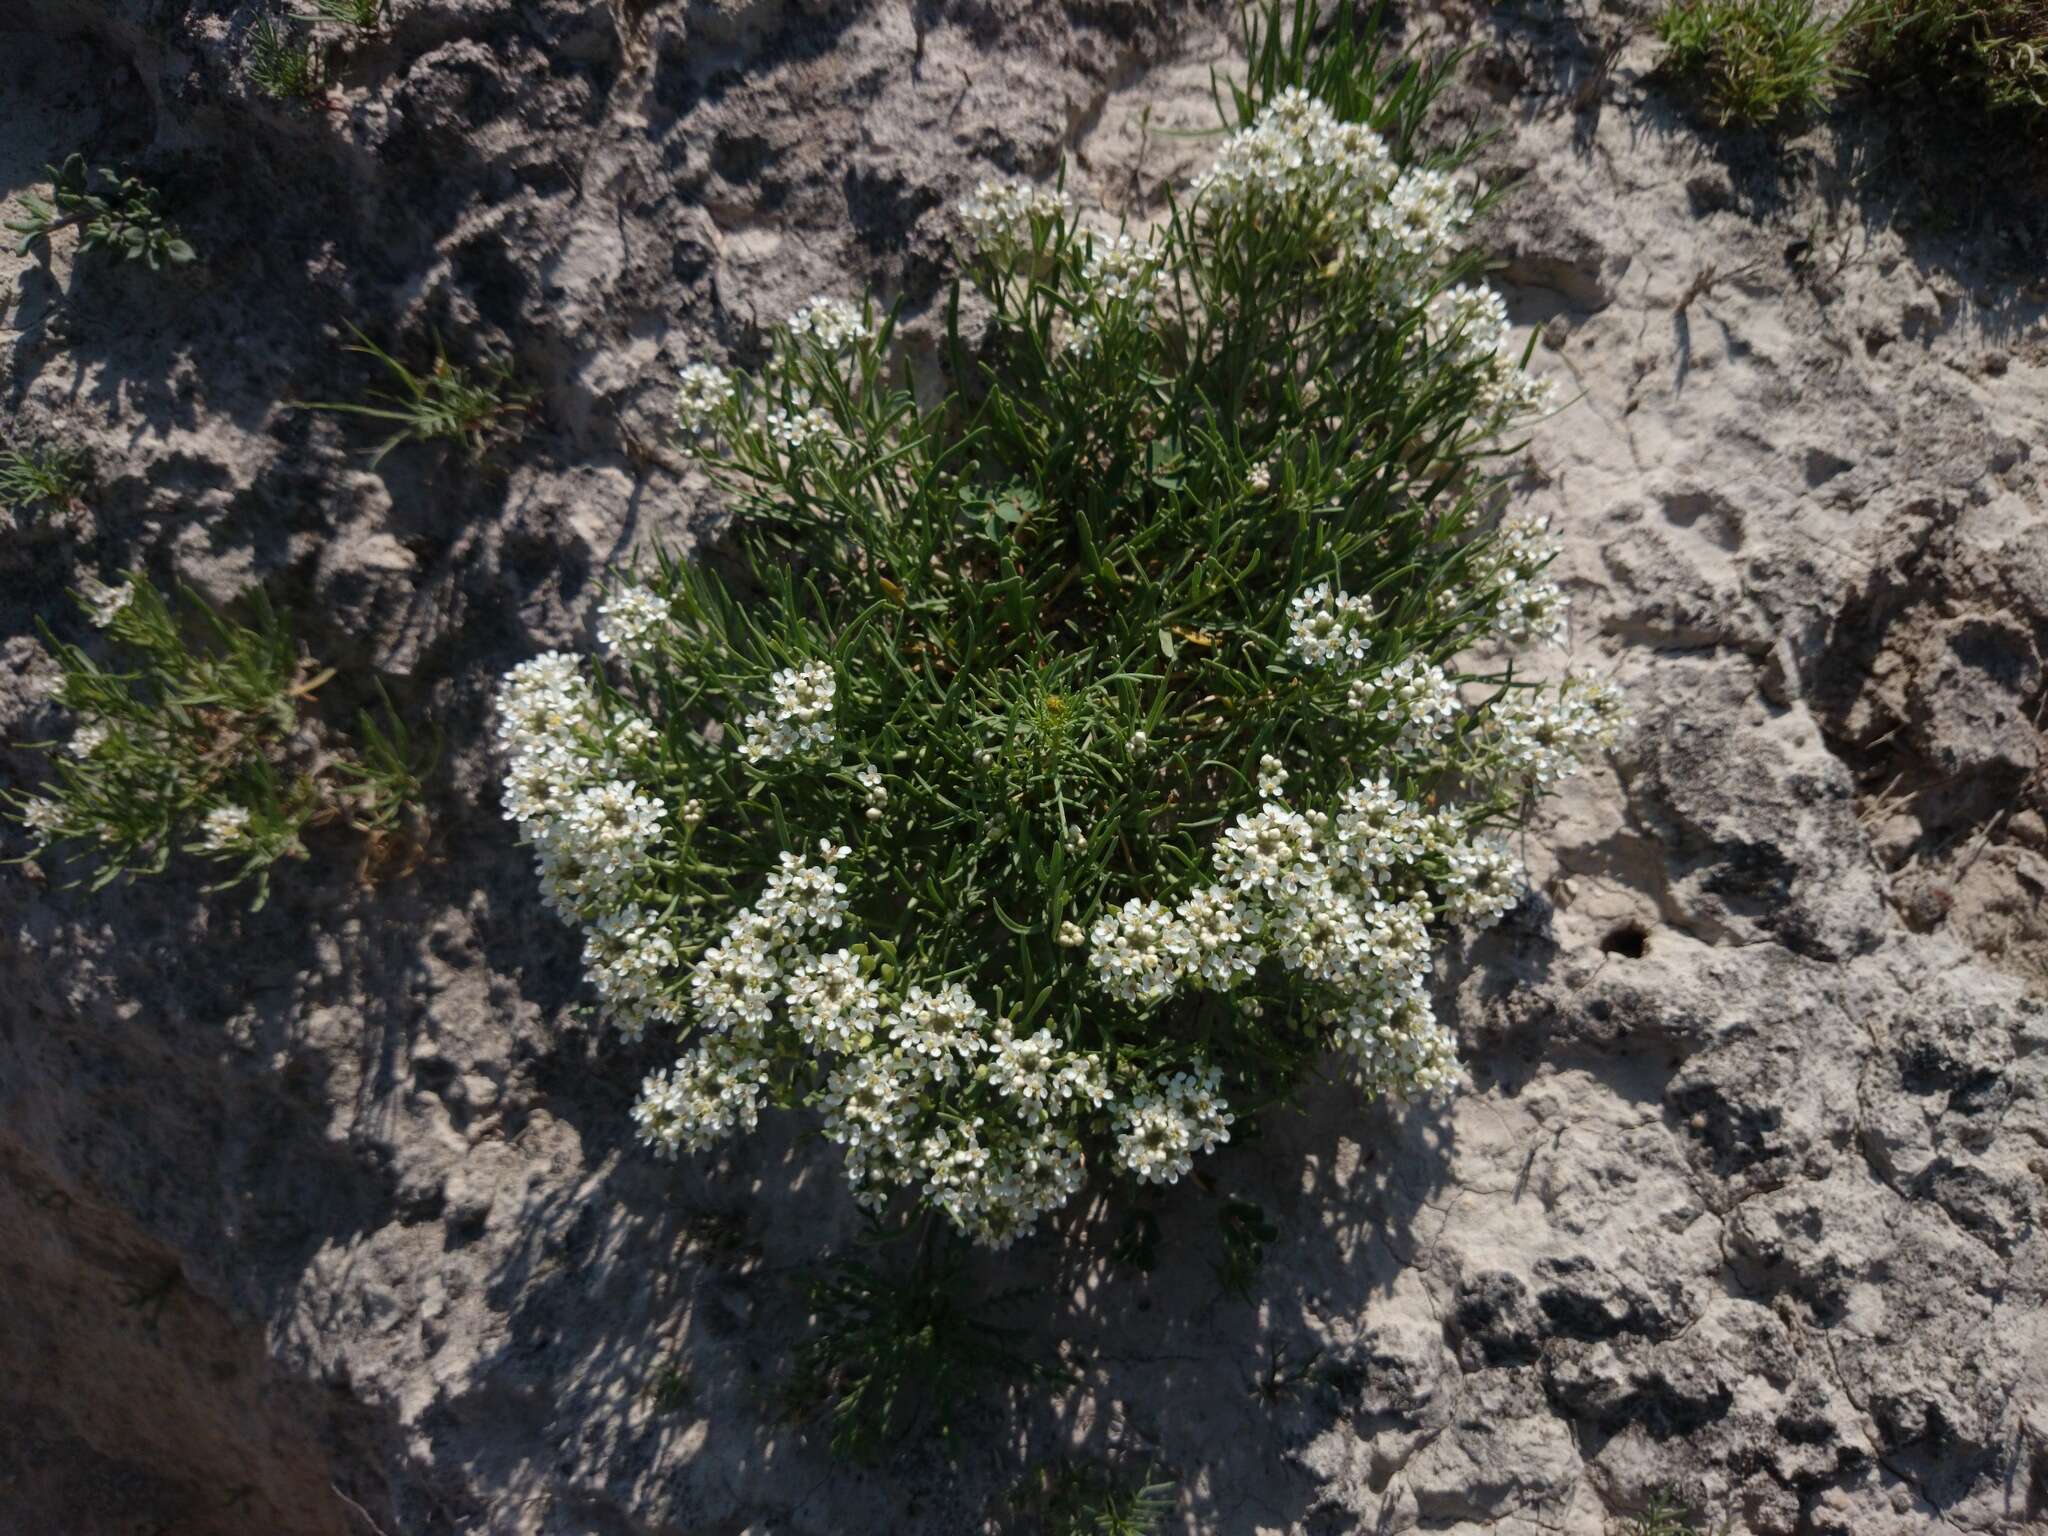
x=1627, y=941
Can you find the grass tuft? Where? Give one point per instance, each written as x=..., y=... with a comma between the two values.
x=282, y=64
x=1991, y=52
x=889, y=1354
x=1756, y=62
x=43, y=476
x=446, y=403
x=198, y=739
x=1762, y=62
x=1089, y=1498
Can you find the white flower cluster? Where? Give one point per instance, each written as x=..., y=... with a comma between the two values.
x=797, y=427
x=43, y=817
x=1543, y=734
x=1298, y=159
x=834, y=324
x=1469, y=322
x=1419, y=700
x=997, y=216
x=702, y=391
x=1297, y=149
x=887, y=1064
x=1330, y=628
x=1161, y=1129
x=88, y=739
x=222, y=829
x=799, y=720
x=1119, y=270
x=1343, y=900
x=1419, y=219
x=1532, y=608
x=630, y=620
x=591, y=828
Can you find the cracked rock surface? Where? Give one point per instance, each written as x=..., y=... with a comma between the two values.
x=326, y=1218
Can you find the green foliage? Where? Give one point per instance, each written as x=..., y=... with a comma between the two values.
x=1087, y=1498
x=1137, y=1241
x=445, y=403
x=1992, y=52
x=891, y=1354
x=122, y=217
x=43, y=475
x=361, y=15
x=199, y=741
x=1246, y=1232
x=282, y=64
x=1767, y=61
x=1755, y=61
x=1664, y=1516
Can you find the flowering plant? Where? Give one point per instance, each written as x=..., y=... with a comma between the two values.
x=1050, y=777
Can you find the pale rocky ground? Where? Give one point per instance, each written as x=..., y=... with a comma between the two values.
x=326, y=1218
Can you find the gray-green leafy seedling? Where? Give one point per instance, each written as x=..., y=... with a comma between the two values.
x=122, y=217
x=1053, y=774
x=43, y=475
x=200, y=742
x=448, y=402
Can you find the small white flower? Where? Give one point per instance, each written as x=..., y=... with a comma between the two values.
x=997, y=217
x=87, y=739
x=1161, y=1130
x=833, y=324
x=43, y=816
x=224, y=827
x=1121, y=270
x=1330, y=628
x=1272, y=777
x=702, y=391
x=801, y=724
x=104, y=602
x=631, y=620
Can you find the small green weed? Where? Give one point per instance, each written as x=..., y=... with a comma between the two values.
x=122, y=217
x=1664, y=1516
x=1069, y=1498
x=1246, y=1232
x=362, y=15
x=889, y=1354
x=45, y=475
x=1755, y=61
x=447, y=402
x=669, y=1391
x=283, y=65
x=199, y=741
